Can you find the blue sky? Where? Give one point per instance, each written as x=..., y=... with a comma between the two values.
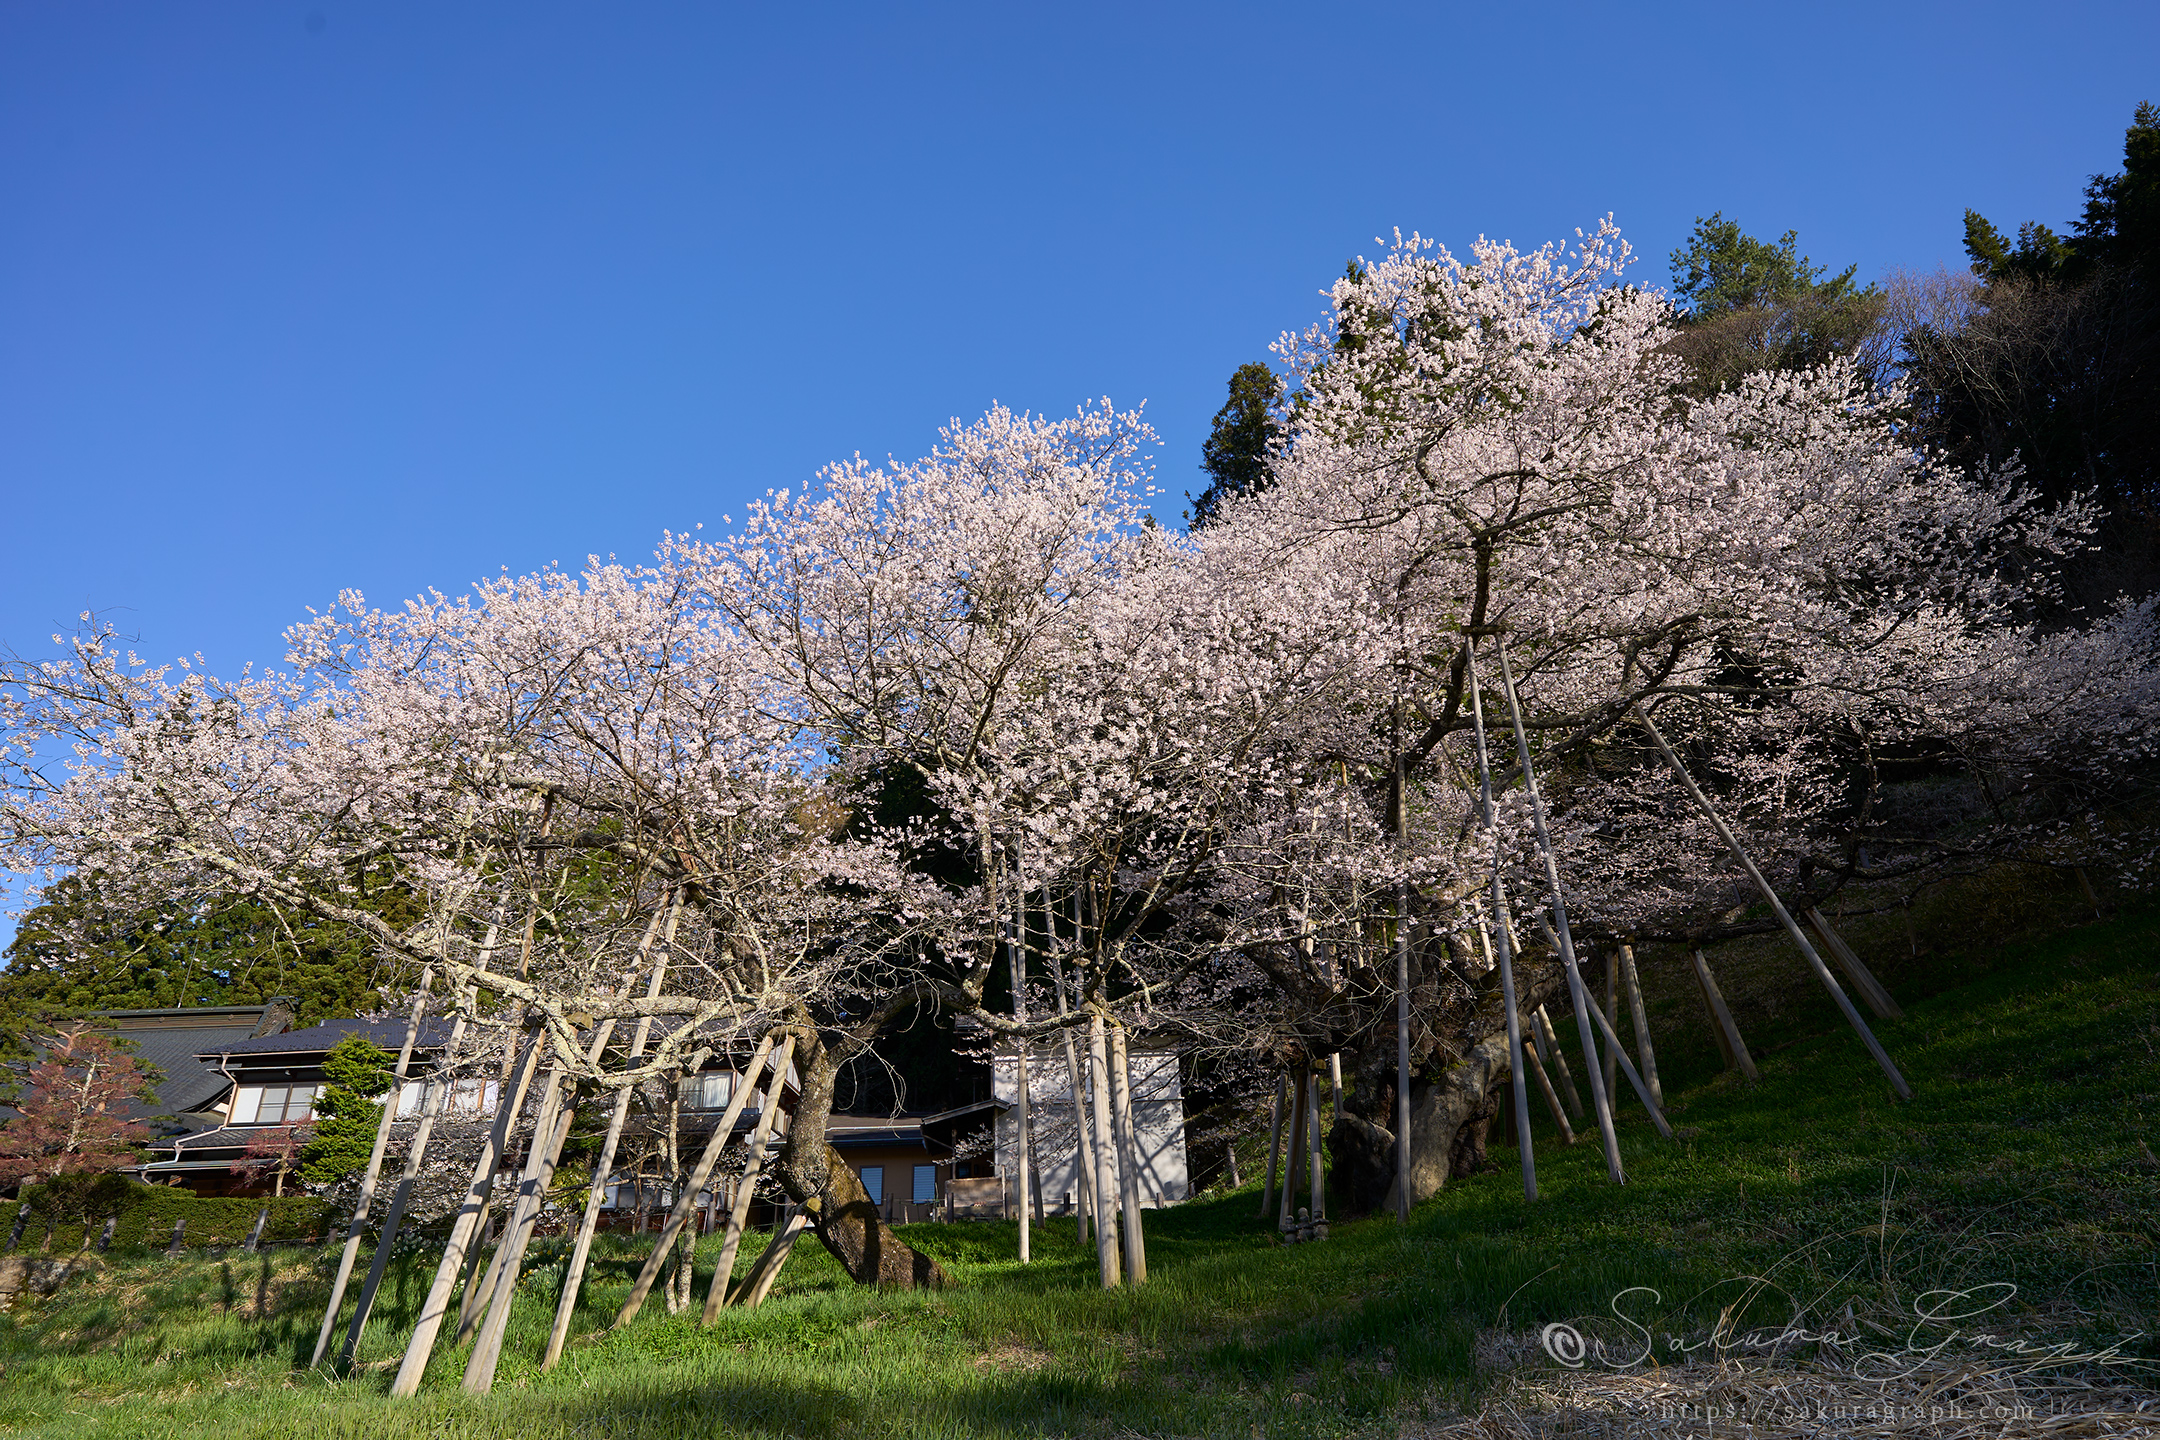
x=295, y=297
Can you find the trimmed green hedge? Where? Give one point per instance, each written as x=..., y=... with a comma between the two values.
x=149, y=1212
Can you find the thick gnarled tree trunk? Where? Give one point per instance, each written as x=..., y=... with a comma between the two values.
x=1454, y=1096
x=845, y=1219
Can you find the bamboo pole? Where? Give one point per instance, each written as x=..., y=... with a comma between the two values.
x=1717, y=1031
x=372, y=1174
x=1641, y=1015
x=1548, y=1046
x=1870, y=988
x=1106, y=1241
x=1274, y=1143
x=581, y=1250
x=1128, y=1154
x=686, y=1197
x=1505, y=959
x=1736, y=1050
x=1577, y=991
x=1792, y=928
x=436, y=1307
x=716, y=1289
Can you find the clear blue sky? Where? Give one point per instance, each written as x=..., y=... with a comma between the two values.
x=295, y=297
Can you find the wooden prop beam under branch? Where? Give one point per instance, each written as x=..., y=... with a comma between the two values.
x=1792, y=928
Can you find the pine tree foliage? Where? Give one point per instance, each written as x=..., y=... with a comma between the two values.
x=1247, y=434
x=347, y=1111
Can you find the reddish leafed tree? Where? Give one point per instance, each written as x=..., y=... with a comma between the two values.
x=274, y=1149
x=72, y=1118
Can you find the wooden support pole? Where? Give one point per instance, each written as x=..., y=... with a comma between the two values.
x=1015, y=956
x=581, y=1249
x=1627, y=1068
x=1083, y=1142
x=1792, y=928
x=1294, y=1145
x=1121, y=1109
x=1612, y=1018
x=686, y=1199
x=1274, y=1144
x=1552, y=1098
x=549, y=1133
x=1402, y=1012
x=1106, y=1242
x=1317, y=1189
x=373, y=1173
x=1504, y=959
x=436, y=1095
x=1641, y=1015
x=760, y=1146
x=1577, y=991
x=1736, y=1051
x=435, y=1309
x=2092, y=896
x=759, y=1282
x=1863, y=979
x=481, y=1295
x=1548, y=1046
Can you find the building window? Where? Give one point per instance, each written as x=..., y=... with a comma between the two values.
x=710, y=1091
x=873, y=1180
x=471, y=1096
x=925, y=1184
x=273, y=1104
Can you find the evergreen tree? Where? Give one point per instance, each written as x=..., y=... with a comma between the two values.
x=347, y=1111
x=2056, y=365
x=1244, y=440
x=75, y=953
x=1746, y=305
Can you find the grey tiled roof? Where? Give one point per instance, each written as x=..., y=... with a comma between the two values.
x=317, y=1039
x=189, y=1084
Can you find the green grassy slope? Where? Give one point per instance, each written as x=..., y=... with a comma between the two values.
x=2018, y=1165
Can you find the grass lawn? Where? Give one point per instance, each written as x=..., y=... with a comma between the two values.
x=2017, y=1165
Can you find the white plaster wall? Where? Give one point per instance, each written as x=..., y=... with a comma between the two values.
x=1158, y=1114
